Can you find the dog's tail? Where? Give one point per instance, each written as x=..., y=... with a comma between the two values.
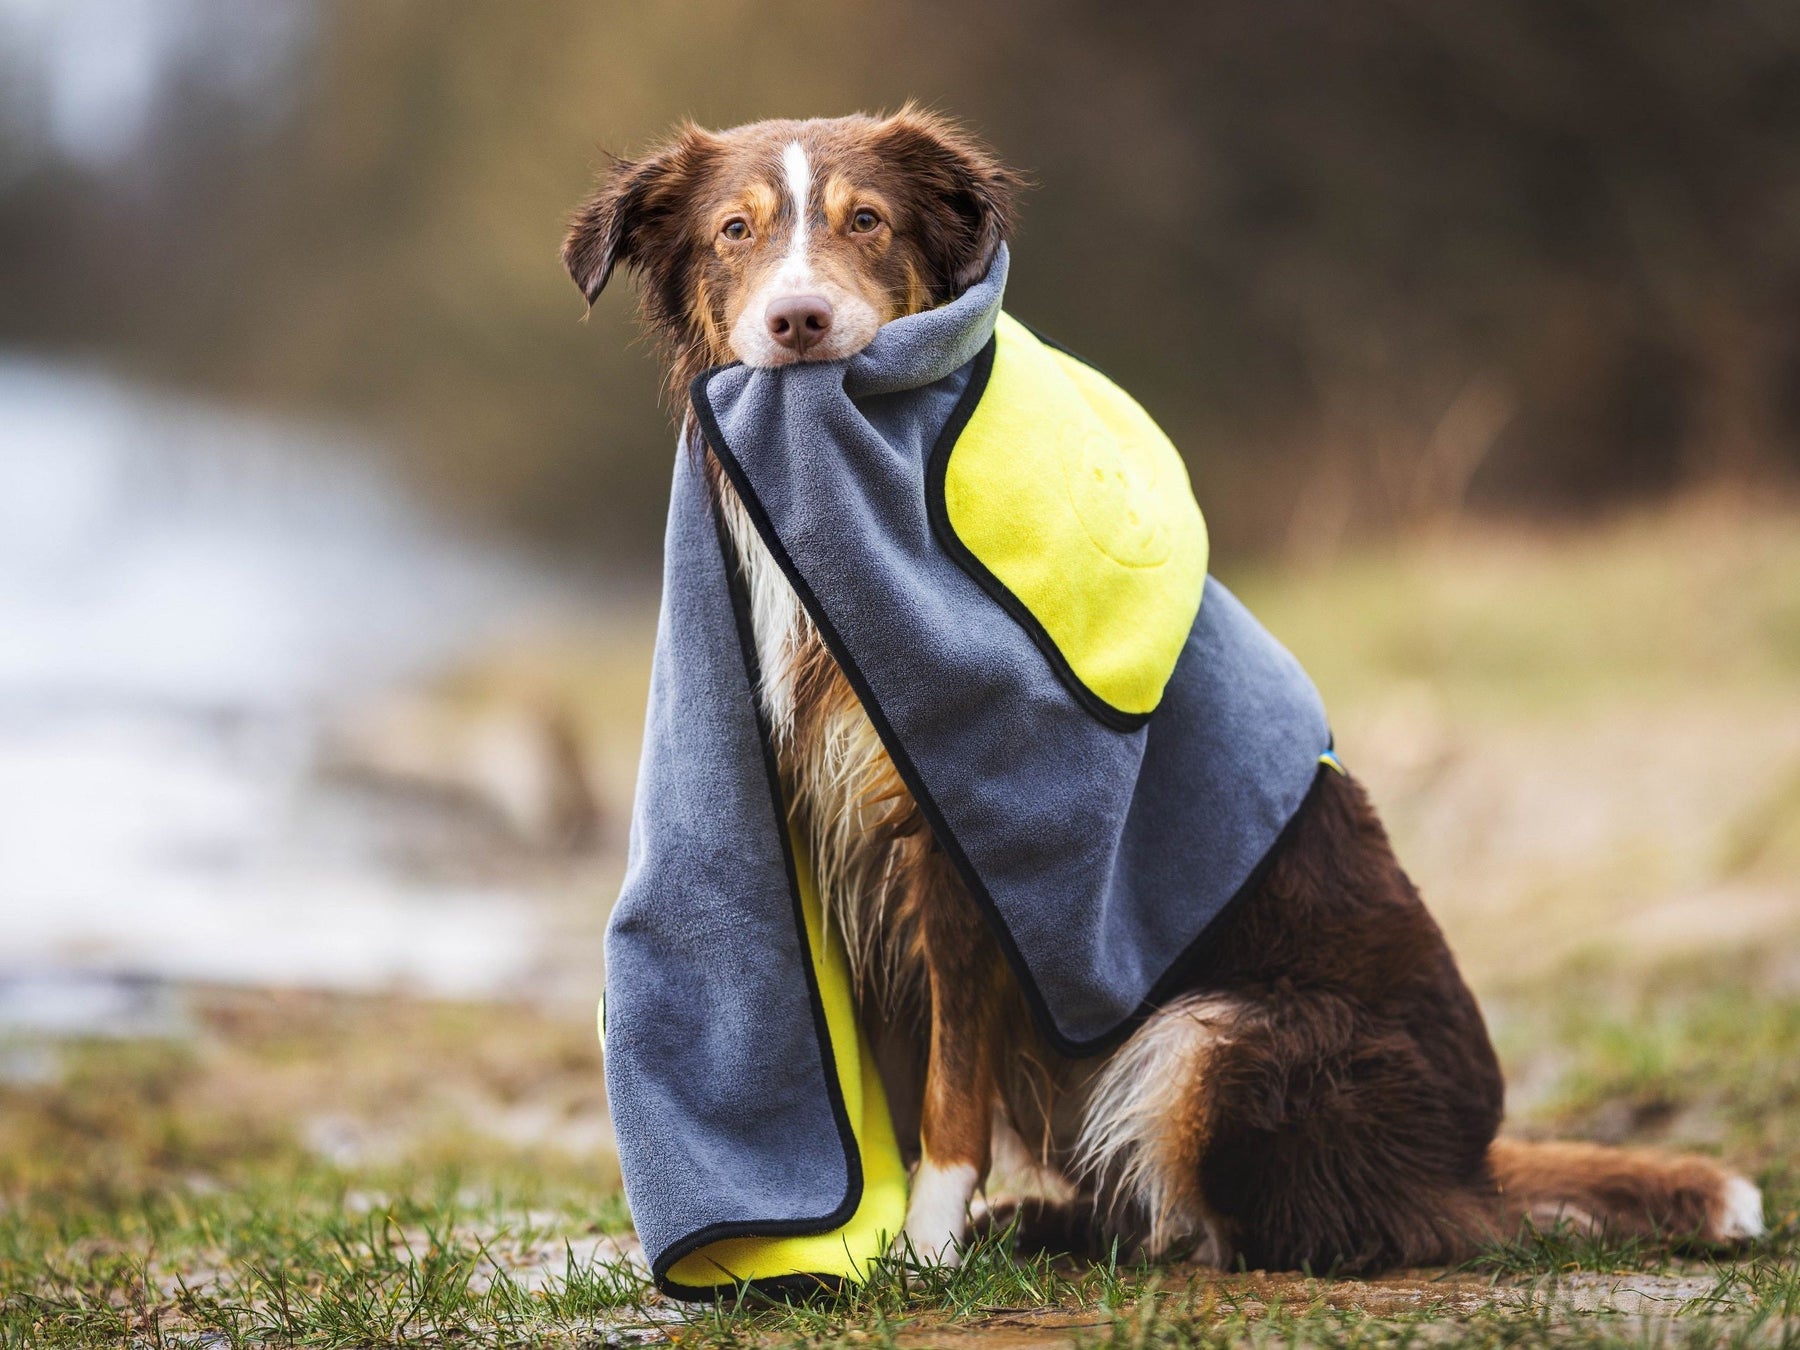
x=1623, y=1192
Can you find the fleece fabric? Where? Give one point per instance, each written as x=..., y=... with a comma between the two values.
x=1003, y=554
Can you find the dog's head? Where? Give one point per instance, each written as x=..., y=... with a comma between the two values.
x=793, y=241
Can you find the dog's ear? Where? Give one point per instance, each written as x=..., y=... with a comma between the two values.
x=968, y=192
x=634, y=215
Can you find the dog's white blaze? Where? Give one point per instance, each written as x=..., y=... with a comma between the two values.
x=798, y=169
x=937, y=1211
x=1128, y=1149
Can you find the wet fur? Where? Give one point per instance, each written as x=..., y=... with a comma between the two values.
x=1323, y=1092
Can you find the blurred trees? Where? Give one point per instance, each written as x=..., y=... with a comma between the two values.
x=1368, y=263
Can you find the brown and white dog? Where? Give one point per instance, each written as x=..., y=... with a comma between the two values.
x=1324, y=1093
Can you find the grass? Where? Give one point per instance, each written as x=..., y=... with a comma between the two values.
x=306, y=1260
x=308, y=1170
x=1201, y=1319
x=1704, y=1053
x=303, y=1260
x=991, y=1287
x=156, y=1193
x=331, y=1171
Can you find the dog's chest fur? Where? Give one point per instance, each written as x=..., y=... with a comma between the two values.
x=855, y=817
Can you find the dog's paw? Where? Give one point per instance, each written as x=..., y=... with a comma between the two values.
x=937, y=1214
x=1045, y=1227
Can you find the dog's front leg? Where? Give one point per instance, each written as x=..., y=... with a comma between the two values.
x=956, y=1116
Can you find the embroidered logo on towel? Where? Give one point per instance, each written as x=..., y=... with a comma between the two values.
x=1065, y=492
x=1113, y=498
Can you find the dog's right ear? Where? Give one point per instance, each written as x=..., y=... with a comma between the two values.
x=634, y=216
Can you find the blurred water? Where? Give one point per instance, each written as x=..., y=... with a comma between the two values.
x=85, y=81
x=183, y=590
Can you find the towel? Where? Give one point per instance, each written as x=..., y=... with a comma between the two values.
x=1003, y=553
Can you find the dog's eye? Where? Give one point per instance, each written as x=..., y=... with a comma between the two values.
x=864, y=221
x=735, y=229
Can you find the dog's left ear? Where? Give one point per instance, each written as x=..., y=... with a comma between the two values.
x=957, y=172
x=634, y=215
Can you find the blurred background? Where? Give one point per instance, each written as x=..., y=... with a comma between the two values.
x=329, y=532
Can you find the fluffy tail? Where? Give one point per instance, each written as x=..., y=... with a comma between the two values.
x=1624, y=1192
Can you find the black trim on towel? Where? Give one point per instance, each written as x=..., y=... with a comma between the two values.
x=1054, y=345
x=798, y=1284
x=937, y=467
x=1173, y=975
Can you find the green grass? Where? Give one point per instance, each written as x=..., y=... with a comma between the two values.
x=991, y=1286
x=267, y=1248
x=1202, y=1319
x=300, y=1262
x=152, y=1191
x=308, y=1262
x=158, y=1193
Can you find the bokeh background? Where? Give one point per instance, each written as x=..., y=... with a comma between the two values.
x=329, y=530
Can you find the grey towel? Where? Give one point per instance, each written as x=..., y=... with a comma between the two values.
x=1100, y=848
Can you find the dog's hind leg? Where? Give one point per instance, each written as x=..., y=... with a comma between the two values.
x=1144, y=1129
x=1333, y=1143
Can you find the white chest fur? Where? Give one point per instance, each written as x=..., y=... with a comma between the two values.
x=831, y=758
x=777, y=620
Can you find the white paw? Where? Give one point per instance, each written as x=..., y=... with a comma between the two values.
x=1742, y=1216
x=1210, y=1250
x=937, y=1213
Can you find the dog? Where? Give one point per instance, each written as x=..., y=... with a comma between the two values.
x=1323, y=1092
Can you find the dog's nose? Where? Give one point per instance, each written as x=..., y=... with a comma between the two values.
x=798, y=321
